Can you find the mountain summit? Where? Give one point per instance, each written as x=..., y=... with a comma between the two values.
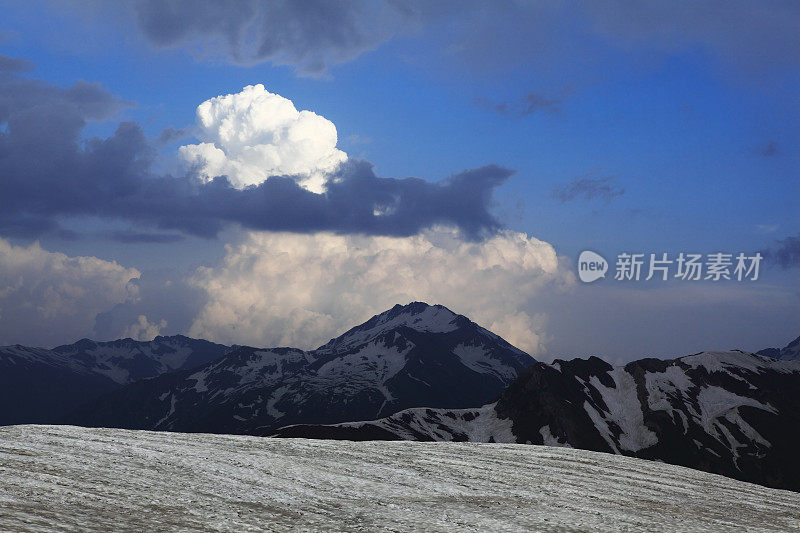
x=409, y=356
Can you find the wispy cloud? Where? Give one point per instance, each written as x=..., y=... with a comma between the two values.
x=171, y=135
x=586, y=188
x=769, y=149
x=533, y=102
x=767, y=228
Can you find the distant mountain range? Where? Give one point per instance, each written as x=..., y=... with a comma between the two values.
x=791, y=352
x=38, y=385
x=408, y=356
x=422, y=372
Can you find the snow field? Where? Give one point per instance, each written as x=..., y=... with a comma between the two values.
x=62, y=478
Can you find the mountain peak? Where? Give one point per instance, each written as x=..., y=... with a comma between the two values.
x=417, y=308
x=414, y=307
x=419, y=316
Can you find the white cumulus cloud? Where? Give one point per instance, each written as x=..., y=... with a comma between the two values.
x=47, y=297
x=301, y=290
x=254, y=134
x=143, y=329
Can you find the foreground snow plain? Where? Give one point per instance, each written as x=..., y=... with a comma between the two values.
x=64, y=478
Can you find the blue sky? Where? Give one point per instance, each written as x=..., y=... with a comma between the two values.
x=690, y=113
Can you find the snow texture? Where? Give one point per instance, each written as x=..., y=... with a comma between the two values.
x=60, y=478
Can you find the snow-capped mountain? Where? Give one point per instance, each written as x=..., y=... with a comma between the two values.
x=731, y=413
x=126, y=360
x=39, y=385
x=791, y=352
x=408, y=356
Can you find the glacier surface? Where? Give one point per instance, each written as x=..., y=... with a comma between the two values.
x=63, y=478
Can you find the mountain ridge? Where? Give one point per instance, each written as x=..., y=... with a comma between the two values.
x=423, y=372
x=40, y=385
x=733, y=413
x=410, y=355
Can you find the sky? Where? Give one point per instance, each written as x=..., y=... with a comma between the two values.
x=273, y=173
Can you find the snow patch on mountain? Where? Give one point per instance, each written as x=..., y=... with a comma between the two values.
x=171, y=411
x=374, y=362
x=736, y=360
x=200, y=380
x=601, y=424
x=479, y=359
x=716, y=404
x=624, y=410
x=664, y=387
x=421, y=423
x=548, y=439
x=274, y=398
x=417, y=316
x=267, y=367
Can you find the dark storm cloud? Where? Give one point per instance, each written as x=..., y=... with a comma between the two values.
x=24, y=226
x=30, y=106
x=314, y=34
x=310, y=35
x=786, y=254
x=49, y=172
x=585, y=188
x=530, y=103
